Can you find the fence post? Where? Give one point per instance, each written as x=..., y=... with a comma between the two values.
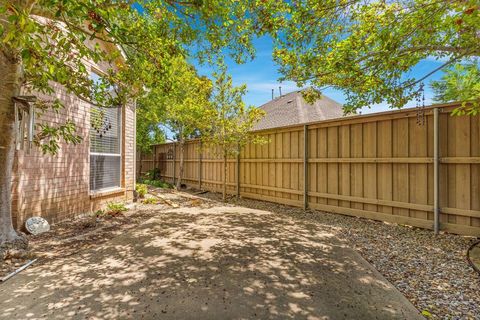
x=238, y=172
x=154, y=162
x=436, y=163
x=200, y=166
x=140, y=164
x=305, y=167
x=174, y=162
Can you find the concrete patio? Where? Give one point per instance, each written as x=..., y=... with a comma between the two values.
x=209, y=262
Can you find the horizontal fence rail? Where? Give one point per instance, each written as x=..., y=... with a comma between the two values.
x=382, y=166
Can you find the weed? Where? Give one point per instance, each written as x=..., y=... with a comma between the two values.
x=141, y=189
x=115, y=208
x=150, y=201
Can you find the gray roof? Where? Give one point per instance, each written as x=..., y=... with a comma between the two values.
x=291, y=109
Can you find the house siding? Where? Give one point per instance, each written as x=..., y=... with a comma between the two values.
x=56, y=187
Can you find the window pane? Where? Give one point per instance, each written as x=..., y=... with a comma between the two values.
x=105, y=130
x=105, y=145
x=104, y=172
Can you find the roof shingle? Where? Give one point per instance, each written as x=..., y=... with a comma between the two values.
x=291, y=109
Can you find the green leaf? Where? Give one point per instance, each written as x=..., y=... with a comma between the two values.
x=427, y=314
x=26, y=54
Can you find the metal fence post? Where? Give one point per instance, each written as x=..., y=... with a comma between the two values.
x=436, y=163
x=305, y=167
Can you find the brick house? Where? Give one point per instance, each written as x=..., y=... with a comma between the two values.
x=80, y=178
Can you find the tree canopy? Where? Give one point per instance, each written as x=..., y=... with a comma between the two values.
x=367, y=49
x=46, y=43
x=48, y=39
x=460, y=82
x=148, y=132
x=184, y=107
x=231, y=121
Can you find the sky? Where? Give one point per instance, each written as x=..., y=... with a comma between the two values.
x=261, y=76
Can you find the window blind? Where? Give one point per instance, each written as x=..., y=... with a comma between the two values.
x=105, y=148
x=104, y=171
x=105, y=130
x=105, y=145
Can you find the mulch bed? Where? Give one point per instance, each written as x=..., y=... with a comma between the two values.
x=431, y=271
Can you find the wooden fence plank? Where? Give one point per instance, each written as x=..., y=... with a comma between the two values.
x=278, y=165
x=344, y=168
x=418, y=173
x=475, y=168
x=356, y=137
x=378, y=167
x=384, y=170
x=400, y=177
x=312, y=167
x=332, y=168
x=462, y=172
x=322, y=177
x=370, y=170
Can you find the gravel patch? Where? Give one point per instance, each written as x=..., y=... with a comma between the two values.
x=431, y=271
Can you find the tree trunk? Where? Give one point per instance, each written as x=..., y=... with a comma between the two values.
x=11, y=71
x=180, y=173
x=224, y=195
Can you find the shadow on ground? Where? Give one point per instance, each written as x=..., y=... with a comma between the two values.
x=209, y=263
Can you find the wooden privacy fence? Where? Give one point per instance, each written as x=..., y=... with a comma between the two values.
x=382, y=166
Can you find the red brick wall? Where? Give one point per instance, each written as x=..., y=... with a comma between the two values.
x=57, y=187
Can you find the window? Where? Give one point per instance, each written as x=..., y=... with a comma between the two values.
x=105, y=147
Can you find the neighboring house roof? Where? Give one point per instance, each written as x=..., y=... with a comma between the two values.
x=291, y=109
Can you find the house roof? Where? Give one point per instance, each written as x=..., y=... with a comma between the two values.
x=292, y=109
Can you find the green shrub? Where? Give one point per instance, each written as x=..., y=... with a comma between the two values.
x=150, y=201
x=153, y=174
x=158, y=184
x=115, y=208
x=99, y=213
x=141, y=189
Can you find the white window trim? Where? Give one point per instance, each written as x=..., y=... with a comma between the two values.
x=114, y=188
x=106, y=154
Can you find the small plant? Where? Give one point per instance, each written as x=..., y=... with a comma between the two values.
x=141, y=189
x=158, y=184
x=153, y=174
x=150, y=201
x=115, y=208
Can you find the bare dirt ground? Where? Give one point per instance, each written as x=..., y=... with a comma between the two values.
x=200, y=259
